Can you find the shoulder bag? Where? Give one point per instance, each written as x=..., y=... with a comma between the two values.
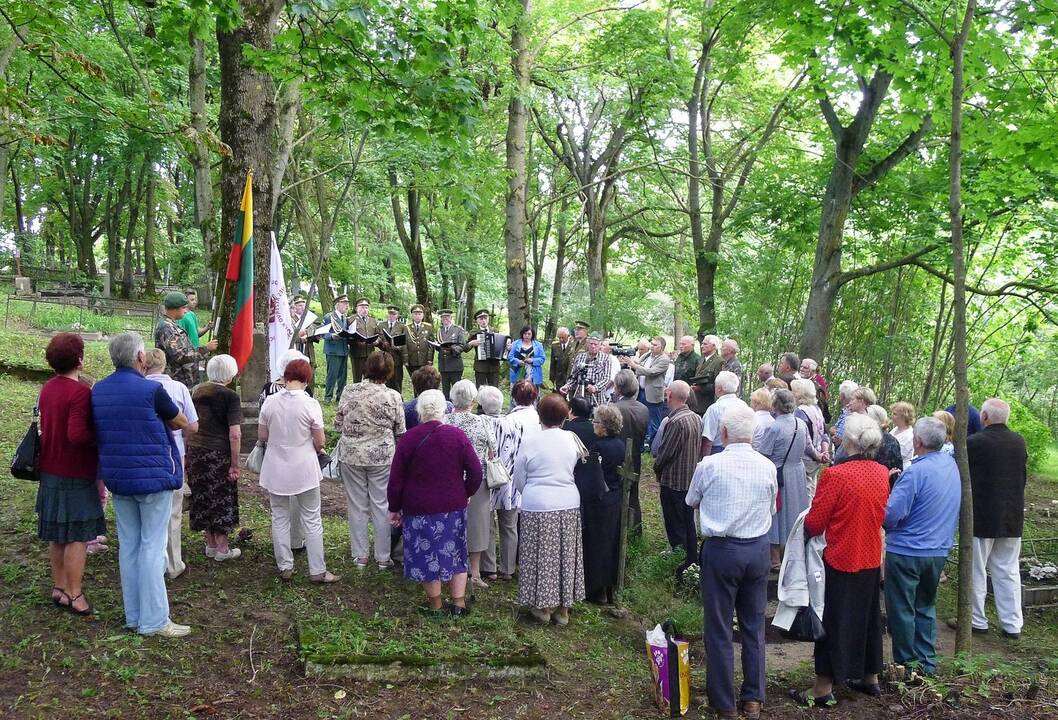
x=255, y=459
x=25, y=465
x=496, y=475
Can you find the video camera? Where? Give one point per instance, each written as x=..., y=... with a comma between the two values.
x=621, y=351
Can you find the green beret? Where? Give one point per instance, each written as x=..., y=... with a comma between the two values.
x=174, y=300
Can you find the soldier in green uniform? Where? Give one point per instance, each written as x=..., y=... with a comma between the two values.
x=580, y=339
x=486, y=371
x=336, y=349
x=303, y=344
x=395, y=327
x=181, y=357
x=420, y=335
x=367, y=326
x=450, y=360
x=560, y=356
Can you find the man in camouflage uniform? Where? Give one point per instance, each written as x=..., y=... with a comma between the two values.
x=181, y=358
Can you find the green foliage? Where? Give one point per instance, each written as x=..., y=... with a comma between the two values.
x=1038, y=438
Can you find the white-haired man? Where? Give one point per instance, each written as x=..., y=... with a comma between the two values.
x=674, y=463
x=845, y=392
x=734, y=496
x=726, y=397
x=809, y=370
x=998, y=458
x=560, y=357
x=651, y=371
x=705, y=375
x=729, y=352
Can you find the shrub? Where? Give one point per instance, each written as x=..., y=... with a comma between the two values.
x=1037, y=436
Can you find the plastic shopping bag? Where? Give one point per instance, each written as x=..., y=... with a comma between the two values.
x=670, y=665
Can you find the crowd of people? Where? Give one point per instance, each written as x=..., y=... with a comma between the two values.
x=460, y=493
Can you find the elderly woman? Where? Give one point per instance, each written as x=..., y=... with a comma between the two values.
x=888, y=453
x=808, y=410
x=526, y=358
x=760, y=402
x=551, y=576
x=480, y=431
x=291, y=423
x=903, y=415
x=849, y=508
x=949, y=426
x=370, y=417
x=435, y=472
x=213, y=458
x=425, y=378
x=504, y=500
x=786, y=443
x=601, y=517
x=69, y=497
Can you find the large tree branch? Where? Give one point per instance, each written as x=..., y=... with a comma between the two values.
x=909, y=259
x=878, y=171
x=1004, y=290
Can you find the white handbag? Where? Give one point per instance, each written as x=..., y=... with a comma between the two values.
x=255, y=459
x=496, y=475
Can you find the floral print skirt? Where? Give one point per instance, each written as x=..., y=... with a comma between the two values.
x=214, y=505
x=435, y=546
x=551, y=561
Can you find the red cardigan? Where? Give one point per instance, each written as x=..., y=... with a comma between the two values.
x=67, y=437
x=849, y=507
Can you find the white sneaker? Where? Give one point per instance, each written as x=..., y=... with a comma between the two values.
x=211, y=552
x=232, y=554
x=172, y=630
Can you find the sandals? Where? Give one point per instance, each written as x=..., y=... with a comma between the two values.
x=455, y=610
x=88, y=610
x=871, y=689
x=56, y=600
x=806, y=699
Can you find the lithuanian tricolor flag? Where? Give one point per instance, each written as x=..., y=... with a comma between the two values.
x=240, y=271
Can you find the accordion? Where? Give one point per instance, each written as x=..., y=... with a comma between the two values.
x=492, y=346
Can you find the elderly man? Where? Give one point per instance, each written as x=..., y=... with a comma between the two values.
x=920, y=520
x=589, y=374
x=615, y=365
x=140, y=465
x=734, y=495
x=729, y=353
x=998, y=458
x=765, y=372
x=580, y=340
x=705, y=374
x=366, y=326
x=560, y=357
x=651, y=371
x=809, y=371
x=304, y=344
x=674, y=463
x=336, y=349
x=179, y=394
x=634, y=419
x=181, y=357
x=686, y=360
x=420, y=335
x=726, y=397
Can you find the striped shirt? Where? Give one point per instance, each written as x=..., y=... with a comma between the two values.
x=734, y=492
x=679, y=449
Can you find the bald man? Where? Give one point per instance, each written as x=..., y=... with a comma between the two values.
x=560, y=357
x=678, y=444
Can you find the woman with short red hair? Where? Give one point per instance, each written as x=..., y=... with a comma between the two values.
x=291, y=423
x=69, y=498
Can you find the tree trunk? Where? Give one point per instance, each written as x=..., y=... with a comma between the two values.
x=515, y=219
x=128, y=267
x=962, y=389
x=213, y=257
x=247, y=125
x=410, y=238
x=149, y=221
x=560, y=274
x=596, y=257
x=706, y=314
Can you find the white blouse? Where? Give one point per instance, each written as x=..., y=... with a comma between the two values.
x=290, y=464
x=543, y=471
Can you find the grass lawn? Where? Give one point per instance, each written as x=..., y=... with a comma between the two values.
x=242, y=659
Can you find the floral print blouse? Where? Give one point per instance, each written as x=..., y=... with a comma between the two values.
x=370, y=417
x=480, y=431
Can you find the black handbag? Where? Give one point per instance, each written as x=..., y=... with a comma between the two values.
x=25, y=465
x=806, y=626
x=589, y=478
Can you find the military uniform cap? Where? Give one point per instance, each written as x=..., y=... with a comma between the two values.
x=341, y=298
x=417, y=308
x=362, y=301
x=393, y=308
x=174, y=300
x=479, y=313
x=445, y=311
x=582, y=324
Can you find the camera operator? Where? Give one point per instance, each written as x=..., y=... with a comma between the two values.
x=651, y=370
x=589, y=374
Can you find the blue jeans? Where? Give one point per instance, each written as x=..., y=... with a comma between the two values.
x=143, y=530
x=910, y=603
x=657, y=411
